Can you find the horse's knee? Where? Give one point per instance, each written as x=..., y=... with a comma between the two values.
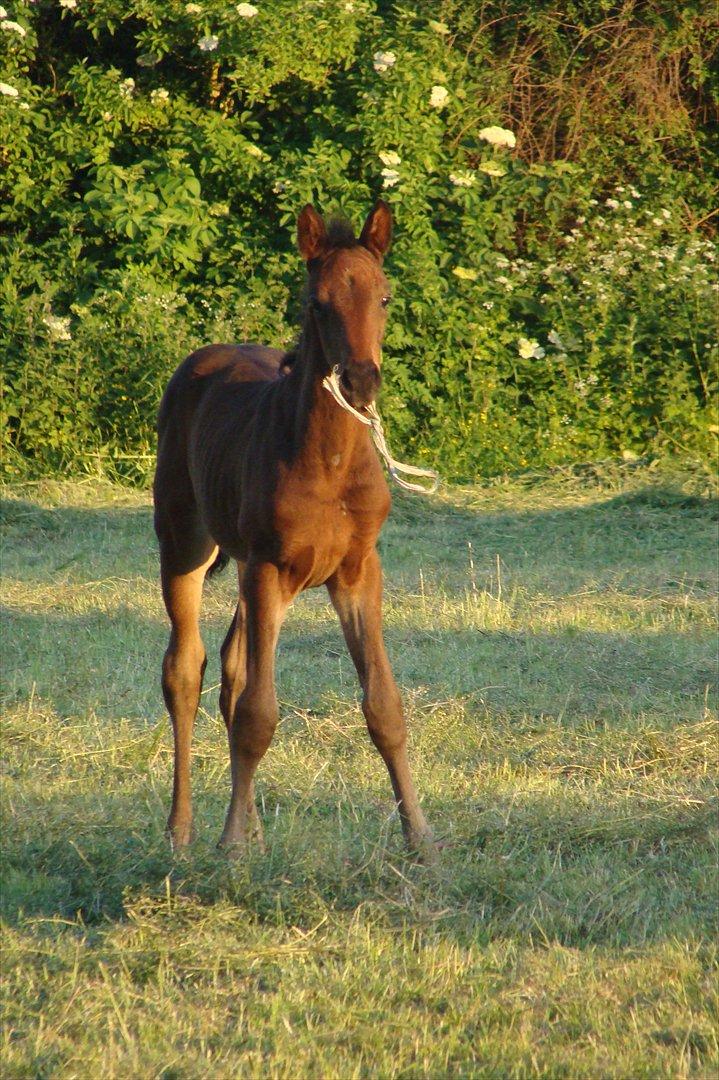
x=385, y=721
x=230, y=663
x=254, y=725
x=183, y=668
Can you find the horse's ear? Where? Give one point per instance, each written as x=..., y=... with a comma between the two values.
x=311, y=233
x=377, y=231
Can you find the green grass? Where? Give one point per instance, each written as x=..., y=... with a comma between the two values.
x=555, y=642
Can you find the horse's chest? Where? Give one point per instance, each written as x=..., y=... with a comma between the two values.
x=329, y=528
x=319, y=536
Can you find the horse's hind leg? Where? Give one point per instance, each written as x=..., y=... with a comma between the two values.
x=255, y=715
x=184, y=664
x=234, y=676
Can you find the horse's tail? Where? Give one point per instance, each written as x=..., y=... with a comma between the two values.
x=219, y=564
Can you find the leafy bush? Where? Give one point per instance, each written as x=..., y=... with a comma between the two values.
x=552, y=274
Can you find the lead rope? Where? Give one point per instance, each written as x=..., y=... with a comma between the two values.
x=372, y=420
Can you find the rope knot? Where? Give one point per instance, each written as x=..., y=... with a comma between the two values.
x=373, y=421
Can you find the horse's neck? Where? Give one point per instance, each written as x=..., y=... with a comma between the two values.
x=324, y=431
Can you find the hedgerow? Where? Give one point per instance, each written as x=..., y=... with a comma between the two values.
x=548, y=167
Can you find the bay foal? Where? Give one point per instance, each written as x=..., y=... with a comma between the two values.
x=258, y=462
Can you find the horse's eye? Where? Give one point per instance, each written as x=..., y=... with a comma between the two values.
x=385, y=300
x=315, y=303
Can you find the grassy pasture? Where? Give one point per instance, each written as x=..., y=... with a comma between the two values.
x=555, y=641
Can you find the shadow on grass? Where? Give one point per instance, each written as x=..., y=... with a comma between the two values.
x=610, y=535
x=659, y=534
x=109, y=666
x=44, y=544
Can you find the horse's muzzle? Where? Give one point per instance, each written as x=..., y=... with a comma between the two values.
x=361, y=381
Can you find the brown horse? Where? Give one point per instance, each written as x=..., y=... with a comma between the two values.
x=258, y=462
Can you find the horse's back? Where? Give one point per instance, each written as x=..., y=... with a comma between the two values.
x=240, y=363
x=213, y=394
x=214, y=365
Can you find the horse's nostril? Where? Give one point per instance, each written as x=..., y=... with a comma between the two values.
x=362, y=379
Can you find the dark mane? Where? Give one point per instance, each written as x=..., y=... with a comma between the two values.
x=340, y=233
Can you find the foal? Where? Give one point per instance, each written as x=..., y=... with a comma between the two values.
x=257, y=461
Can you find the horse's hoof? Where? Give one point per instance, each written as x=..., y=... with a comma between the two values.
x=181, y=835
x=425, y=848
x=257, y=836
x=232, y=849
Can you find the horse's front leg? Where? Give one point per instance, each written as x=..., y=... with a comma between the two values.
x=255, y=715
x=356, y=593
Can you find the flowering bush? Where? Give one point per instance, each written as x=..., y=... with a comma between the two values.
x=553, y=281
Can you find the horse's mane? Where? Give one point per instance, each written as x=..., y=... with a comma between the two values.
x=340, y=233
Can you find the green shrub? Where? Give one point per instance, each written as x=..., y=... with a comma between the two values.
x=554, y=299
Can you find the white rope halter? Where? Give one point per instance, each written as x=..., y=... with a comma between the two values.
x=372, y=420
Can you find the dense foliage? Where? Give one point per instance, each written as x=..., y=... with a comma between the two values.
x=548, y=166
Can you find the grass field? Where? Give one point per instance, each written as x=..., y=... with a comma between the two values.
x=555, y=642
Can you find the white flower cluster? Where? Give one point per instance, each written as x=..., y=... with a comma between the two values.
x=438, y=96
x=383, y=61
x=208, y=43
x=530, y=349
x=6, y=90
x=127, y=88
x=582, y=385
x=9, y=26
x=498, y=136
x=58, y=327
x=160, y=96
x=246, y=11
x=465, y=179
x=663, y=216
x=390, y=175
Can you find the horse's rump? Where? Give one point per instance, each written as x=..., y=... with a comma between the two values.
x=213, y=364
